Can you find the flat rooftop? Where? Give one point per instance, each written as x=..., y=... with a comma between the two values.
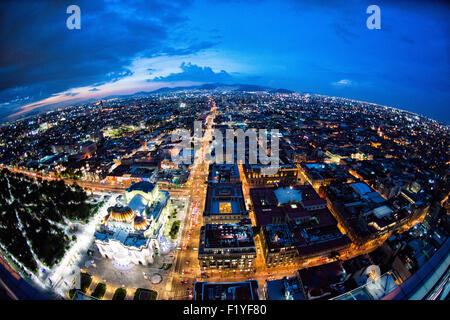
x=285, y=289
x=246, y=290
x=279, y=196
x=366, y=210
x=225, y=198
x=319, y=282
x=278, y=236
x=286, y=195
x=311, y=241
x=229, y=236
x=324, y=171
x=219, y=173
x=300, y=202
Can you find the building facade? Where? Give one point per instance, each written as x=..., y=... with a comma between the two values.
x=227, y=246
x=132, y=231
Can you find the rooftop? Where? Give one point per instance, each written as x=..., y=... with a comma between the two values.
x=276, y=205
x=223, y=173
x=285, y=289
x=230, y=235
x=325, y=171
x=278, y=236
x=142, y=186
x=121, y=235
x=246, y=290
x=287, y=195
x=322, y=282
x=225, y=198
x=385, y=285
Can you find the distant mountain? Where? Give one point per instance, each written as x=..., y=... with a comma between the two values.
x=234, y=87
x=174, y=89
x=238, y=87
x=282, y=91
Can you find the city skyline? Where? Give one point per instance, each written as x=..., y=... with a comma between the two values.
x=313, y=47
x=224, y=151
x=360, y=194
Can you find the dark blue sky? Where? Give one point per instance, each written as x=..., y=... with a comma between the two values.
x=308, y=46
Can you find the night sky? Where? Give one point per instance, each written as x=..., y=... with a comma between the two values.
x=308, y=46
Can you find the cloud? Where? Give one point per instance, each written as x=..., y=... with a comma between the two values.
x=343, y=83
x=44, y=57
x=192, y=47
x=136, y=79
x=193, y=72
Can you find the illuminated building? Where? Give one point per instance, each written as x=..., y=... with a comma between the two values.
x=287, y=174
x=278, y=245
x=322, y=174
x=220, y=173
x=296, y=225
x=224, y=204
x=88, y=148
x=369, y=219
x=227, y=246
x=133, y=233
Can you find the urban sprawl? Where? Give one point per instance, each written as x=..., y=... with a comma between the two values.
x=95, y=207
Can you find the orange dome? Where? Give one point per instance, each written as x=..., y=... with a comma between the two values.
x=121, y=214
x=105, y=219
x=140, y=223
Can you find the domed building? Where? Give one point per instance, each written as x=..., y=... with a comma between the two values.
x=120, y=214
x=140, y=223
x=131, y=232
